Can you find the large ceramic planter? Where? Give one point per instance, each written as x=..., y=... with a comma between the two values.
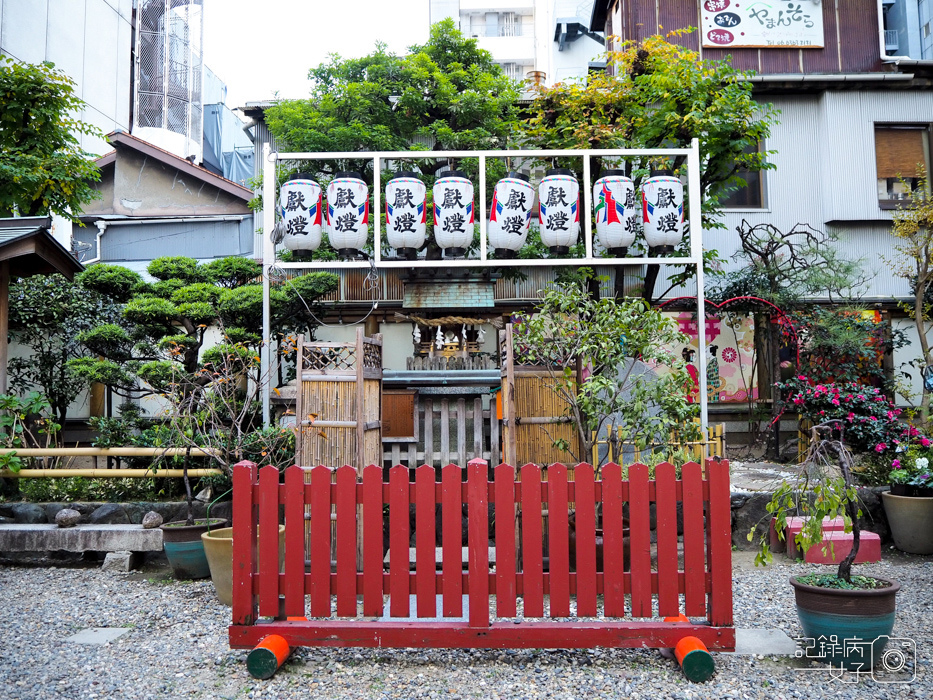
x=911, y=521
x=866, y=615
x=218, y=547
x=184, y=548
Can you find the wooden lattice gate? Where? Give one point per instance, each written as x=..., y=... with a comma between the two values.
x=534, y=418
x=339, y=402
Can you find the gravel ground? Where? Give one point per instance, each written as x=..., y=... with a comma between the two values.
x=177, y=647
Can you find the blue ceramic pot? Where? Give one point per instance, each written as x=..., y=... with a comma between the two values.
x=830, y=616
x=184, y=548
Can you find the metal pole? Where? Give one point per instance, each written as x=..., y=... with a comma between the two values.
x=268, y=259
x=587, y=195
x=696, y=253
x=483, y=253
x=377, y=210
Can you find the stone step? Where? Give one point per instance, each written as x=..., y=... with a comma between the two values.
x=869, y=548
x=795, y=524
x=43, y=537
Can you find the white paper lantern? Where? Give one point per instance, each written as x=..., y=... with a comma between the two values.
x=406, y=215
x=300, y=199
x=510, y=214
x=348, y=213
x=663, y=207
x=453, y=213
x=617, y=212
x=559, y=209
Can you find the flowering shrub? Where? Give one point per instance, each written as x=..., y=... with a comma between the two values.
x=914, y=466
x=871, y=422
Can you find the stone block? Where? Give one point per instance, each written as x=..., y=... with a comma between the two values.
x=121, y=562
x=109, y=514
x=29, y=513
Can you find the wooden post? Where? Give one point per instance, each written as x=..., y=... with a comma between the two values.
x=360, y=398
x=4, y=321
x=508, y=397
x=300, y=457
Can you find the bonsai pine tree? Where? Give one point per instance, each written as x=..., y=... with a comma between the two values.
x=169, y=320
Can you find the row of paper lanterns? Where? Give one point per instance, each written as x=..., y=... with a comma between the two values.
x=658, y=213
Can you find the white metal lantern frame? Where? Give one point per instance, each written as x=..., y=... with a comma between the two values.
x=379, y=158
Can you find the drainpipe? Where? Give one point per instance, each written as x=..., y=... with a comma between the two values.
x=101, y=229
x=896, y=60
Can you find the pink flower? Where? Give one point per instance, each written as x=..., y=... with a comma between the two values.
x=851, y=416
x=924, y=442
x=880, y=447
x=861, y=397
x=835, y=402
x=895, y=464
x=873, y=418
x=890, y=414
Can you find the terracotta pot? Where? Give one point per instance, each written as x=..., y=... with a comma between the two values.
x=218, y=547
x=911, y=521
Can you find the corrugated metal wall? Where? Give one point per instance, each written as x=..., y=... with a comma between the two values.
x=850, y=36
x=210, y=239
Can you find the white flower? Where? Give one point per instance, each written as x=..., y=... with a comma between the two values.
x=921, y=463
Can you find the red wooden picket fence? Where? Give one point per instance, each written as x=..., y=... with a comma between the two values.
x=340, y=603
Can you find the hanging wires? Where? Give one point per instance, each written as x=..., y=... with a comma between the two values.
x=371, y=284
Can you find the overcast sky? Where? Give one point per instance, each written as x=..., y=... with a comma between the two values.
x=262, y=48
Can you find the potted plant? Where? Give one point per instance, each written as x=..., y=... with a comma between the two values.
x=181, y=539
x=909, y=505
x=841, y=604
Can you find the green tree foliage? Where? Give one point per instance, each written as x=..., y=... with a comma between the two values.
x=42, y=167
x=661, y=95
x=657, y=94
x=165, y=323
x=48, y=315
x=913, y=232
x=620, y=342
x=447, y=90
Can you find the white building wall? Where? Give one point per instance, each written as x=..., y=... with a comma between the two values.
x=90, y=40
x=826, y=177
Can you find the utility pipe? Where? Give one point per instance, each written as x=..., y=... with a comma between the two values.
x=105, y=473
x=101, y=229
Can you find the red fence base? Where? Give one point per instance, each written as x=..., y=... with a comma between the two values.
x=617, y=574
x=504, y=635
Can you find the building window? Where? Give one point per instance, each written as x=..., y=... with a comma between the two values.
x=752, y=196
x=900, y=152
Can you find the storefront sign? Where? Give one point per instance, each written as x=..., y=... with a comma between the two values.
x=762, y=23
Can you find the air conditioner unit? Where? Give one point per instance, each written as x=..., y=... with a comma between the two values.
x=891, y=42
